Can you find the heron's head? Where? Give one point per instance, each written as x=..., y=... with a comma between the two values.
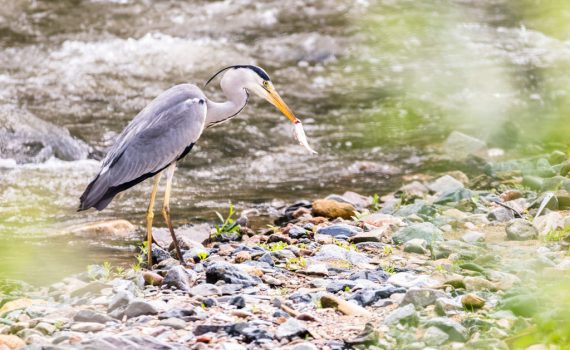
x=255, y=80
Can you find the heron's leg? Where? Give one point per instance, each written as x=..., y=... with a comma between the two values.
x=166, y=209
x=150, y=216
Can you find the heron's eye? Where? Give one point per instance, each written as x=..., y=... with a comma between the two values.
x=265, y=84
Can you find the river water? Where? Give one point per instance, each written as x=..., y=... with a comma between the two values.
x=377, y=84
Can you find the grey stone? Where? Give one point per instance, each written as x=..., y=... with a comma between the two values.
x=520, y=230
x=368, y=296
x=305, y=346
x=409, y=280
x=173, y=322
x=454, y=330
x=120, y=300
x=45, y=328
x=447, y=307
x=91, y=316
x=223, y=271
x=435, y=336
x=424, y=230
x=138, y=308
x=337, y=230
x=445, y=183
x=405, y=315
x=205, y=290
x=416, y=245
x=179, y=278
x=421, y=297
x=290, y=329
x=460, y=145
x=473, y=237
x=233, y=346
x=125, y=342
x=86, y=327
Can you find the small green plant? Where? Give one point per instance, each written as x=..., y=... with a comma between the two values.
x=294, y=264
x=346, y=245
x=228, y=224
x=347, y=289
x=275, y=229
x=375, y=206
x=107, y=270
x=273, y=247
x=202, y=255
x=302, y=246
x=359, y=216
x=557, y=235
x=389, y=268
x=387, y=250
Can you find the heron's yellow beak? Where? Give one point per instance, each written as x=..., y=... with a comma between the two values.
x=273, y=97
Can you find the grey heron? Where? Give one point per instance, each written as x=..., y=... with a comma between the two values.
x=166, y=130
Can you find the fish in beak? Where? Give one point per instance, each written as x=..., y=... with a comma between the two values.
x=273, y=97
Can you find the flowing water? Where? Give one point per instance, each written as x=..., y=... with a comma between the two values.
x=376, y=83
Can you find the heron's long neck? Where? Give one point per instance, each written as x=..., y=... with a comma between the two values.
x=218, y=112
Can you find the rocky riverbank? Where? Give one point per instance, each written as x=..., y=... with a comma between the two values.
x=445, y=262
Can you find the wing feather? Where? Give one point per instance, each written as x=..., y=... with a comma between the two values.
x=161, y=133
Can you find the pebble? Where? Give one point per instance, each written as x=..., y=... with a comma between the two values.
x=473, y=237
x=11, y=342
x=520, y=230
x=173, y=322
x=425, y=230
x=453, y=329
x=180, y=278
x=435, y=336
x=472, y=301
x=416, y=245
x=222, y=271
x=339, y=230
x=86, y=327
x=290, y=329
x=91, y=316
x=138, y=308
x=405, y=315
x=347, y=308
x=332, y=209
x=422, y=297
x=205, y=290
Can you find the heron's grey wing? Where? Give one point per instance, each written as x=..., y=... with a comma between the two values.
x=161, y=134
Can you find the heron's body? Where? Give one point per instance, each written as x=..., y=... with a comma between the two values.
x=166, y=130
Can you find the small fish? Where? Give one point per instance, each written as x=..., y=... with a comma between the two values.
x=300, y=136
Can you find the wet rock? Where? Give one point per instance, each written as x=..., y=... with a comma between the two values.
x=222, y=271
x=180, y=278
x=292, y=328
x=472, y=301
x=111, y=229
x=425, y=230
x=473, y=237
x=416, y=245
x=406, y=315
x=138, y=308
x=205, y=290
x=332, y=209
x=91, y=316
x=422, y=297
x=520, y=230
x=454, y=330
x=339, y=230
x=86, y=327
x=347, y=308
x=290, y=210
x=435, y=336
x=444, y=184
x=28, y=139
